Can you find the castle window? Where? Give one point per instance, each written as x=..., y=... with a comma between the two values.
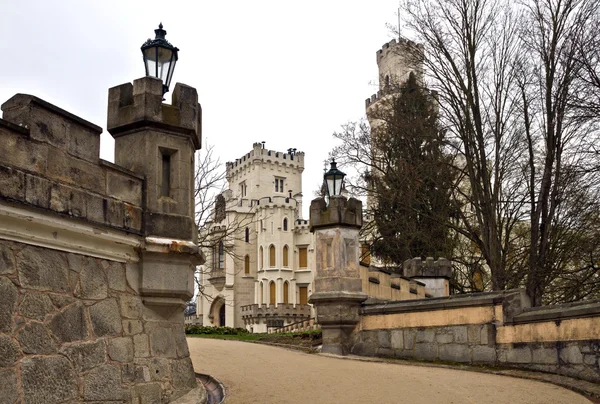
x=272, y=256
x=387, y=81
x=243, y=189
x=260, y=256
x=221, y=256
x=278, y=184
x=247, y=235
x=285, y=224
x=272, y=293
x=303, y=291
x=286, y=293
x=285, y=255
x=247, y=265
x=303, y=257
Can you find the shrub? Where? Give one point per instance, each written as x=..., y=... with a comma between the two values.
x=200, y=329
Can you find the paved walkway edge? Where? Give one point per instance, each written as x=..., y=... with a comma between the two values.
x=588, y=389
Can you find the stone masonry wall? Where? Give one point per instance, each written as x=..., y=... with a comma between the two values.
x=73, y=329
x=494, y=329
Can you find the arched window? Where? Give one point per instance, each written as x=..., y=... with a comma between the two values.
x=285, y=224
x=260, y=257
x=246, y=264
x=221, y=252
x=286, y=293
x=272, y=292
x=272, y=256
x=285, y=256
x=387, y=81
x=261, y=294
x=247, y=235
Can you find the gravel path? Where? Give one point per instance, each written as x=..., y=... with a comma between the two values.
x=254, y=373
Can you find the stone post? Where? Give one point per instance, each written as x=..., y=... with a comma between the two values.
x=338, y=291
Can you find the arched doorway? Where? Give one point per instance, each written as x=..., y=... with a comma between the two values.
x=222, y=316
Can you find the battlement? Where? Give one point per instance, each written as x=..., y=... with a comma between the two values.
x=374, y=98
x=260, y=154
x=137, y=105
x=401, y=45
x=430, y=268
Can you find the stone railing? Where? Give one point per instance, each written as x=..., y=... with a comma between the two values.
x=287, y=311
x=300, y=326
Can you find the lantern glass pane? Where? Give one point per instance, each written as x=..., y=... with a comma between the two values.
x=331, y=184
x=164, y=63
x=150, y=58
x=170, y=74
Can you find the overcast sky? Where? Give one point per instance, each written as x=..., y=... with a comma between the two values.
x=287, y=73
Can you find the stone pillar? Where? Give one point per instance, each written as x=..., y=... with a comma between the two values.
x=279, y=289
x=337, y=291
x=256, y=292
x=265, y=291
x=293, y=293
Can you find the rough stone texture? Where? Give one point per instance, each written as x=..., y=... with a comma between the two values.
x=157, y=369
x=383, y=339
x=131, y=306
x=571, y=355
x=7, y=260
x=544, y=355
x=43, y=269
x=484, y=354
x=70, y=324
x=409, y=338
x=426, y=351
x=8, y=302
x=8, y=386
x=92, y=280
x=105, y=318
x=85, y=355
x=161, y=343
x=103, y=383
x=36, y=339
x=131, y=327
x=120, y=349
x=397, y=339
x=454, y=353
x=48, y=379
x=9, y=351
x=116, y=276
x=36, y=306
x=61, y=301
x=183, y=374
x=425, y=335
x=147, y=393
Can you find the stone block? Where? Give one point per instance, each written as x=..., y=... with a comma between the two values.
x=488, y=334
x=474, y=334
x=103, y=383
x=123, y=187
x=116, y=276
x=518, y=355
x=105, y=318
x=161, y=343
x=78, y=172
x=149, y=393
x=12, y=186
x=132, y=373
x=444, y=338
x=397, y=339
x=43, y=269
x=120, y=349
x=9, y=351
x=70, y=324
x=183, y=375
x=385, y=353
x=61, y=301
x=460, y=334
x=483, y=354
x=455, y=353
x=48, y=379
x=158, y=369
x=570, y=354
x=85, y=355
x=8, y=302
x=8, y=386
x=132, y=327
x=425, y=335
x=132, y=274
x=181, y=342
x=410, y=335
x=546, y=356
x=35, y=338
x=37, y=191
x=92, y=280
x=383, y=339
x=131, y=306
x=590, y=359
x=426, y=351
x=141, y=346
x=7, y=258
x=36, y=306
x=19, y=151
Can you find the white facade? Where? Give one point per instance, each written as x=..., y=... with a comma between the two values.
x=263, y=273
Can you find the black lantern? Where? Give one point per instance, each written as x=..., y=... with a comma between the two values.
x=334, y=179
x=160, y=57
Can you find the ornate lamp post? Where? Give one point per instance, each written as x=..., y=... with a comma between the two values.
x=160, y=57
x=334, y=180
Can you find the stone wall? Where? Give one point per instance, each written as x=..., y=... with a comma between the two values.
x=495, y=329
x=92, y=292
x=73, y=328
